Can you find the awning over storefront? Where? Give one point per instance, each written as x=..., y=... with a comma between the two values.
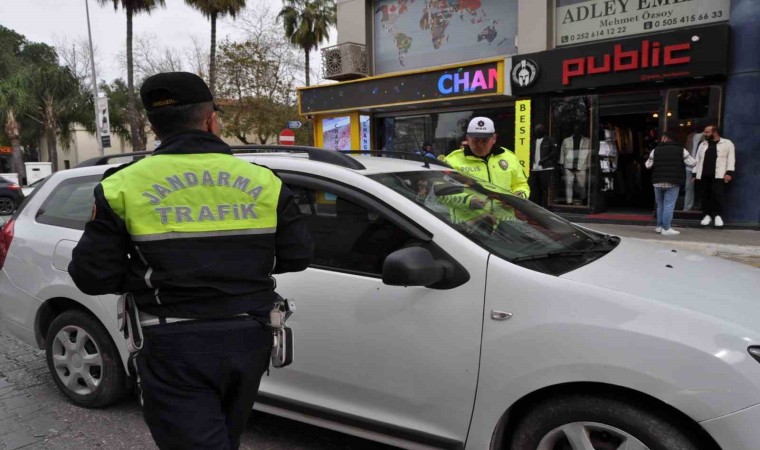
x=486, y=78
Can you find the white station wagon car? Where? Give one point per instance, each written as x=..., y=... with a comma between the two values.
x=425, y=324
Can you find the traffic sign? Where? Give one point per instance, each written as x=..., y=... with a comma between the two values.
x=294, y=124
x=287, y=137
x=106, y=140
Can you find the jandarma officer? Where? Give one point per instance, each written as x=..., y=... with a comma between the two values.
x=193, y=235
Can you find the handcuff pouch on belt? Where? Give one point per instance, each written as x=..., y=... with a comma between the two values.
x=283, y=345
x=129, y=323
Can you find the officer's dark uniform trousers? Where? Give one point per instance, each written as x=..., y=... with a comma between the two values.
x=219, y=363
x=192, y=232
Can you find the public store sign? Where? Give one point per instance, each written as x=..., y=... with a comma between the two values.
x=522, y=133
x=593, y=20
x=689, y=53
x=486, y=78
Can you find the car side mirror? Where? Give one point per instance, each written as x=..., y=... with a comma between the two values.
x=413, y=266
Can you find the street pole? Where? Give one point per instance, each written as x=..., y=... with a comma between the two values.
x=94, y=81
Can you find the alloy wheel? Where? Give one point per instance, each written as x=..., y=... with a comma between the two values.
x=77, y=360
x=589, y=436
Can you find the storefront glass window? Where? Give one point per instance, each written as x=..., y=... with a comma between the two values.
x=571, y=130
x=336, y=133
x=690, y=109
x=444, y=131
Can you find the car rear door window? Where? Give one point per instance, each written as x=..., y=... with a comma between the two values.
x=347, y=236
x=70, y=204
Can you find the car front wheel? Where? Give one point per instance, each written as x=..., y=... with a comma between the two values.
x=581, y=422
x=84, y=361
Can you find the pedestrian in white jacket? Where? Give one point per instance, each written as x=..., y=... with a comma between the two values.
x=716, y=161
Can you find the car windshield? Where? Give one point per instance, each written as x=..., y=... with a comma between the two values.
x=508, y=226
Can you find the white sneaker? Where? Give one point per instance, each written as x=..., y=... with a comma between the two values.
x=718, y=221
x=670, y=232
x=658, y=230
x=706, y=221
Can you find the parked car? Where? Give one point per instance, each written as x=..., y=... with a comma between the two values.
x=27, y=190
x=424, y=325
x=11, y=196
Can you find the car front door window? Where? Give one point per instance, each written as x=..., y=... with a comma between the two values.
x=347, y=236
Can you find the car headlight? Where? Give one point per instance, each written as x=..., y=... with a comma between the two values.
x=754, y=351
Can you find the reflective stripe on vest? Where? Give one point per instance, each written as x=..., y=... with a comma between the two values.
x=198, y=195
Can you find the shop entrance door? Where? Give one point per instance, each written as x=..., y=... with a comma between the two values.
x=633, y=136
x=630, y=126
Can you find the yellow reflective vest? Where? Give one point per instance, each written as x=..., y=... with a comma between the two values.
x=501, y=168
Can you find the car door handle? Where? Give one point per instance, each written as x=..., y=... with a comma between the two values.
x=500, y=315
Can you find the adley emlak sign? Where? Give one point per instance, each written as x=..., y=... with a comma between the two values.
x=594, y=20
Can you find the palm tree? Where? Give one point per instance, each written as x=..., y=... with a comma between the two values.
x=15, y=100
x=133, y=7
x=213, y=9
x=57, y=103
x=307, y=24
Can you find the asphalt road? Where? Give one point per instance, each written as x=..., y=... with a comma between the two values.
x=35, y=415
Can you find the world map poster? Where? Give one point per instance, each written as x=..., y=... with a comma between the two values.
x=410, y=34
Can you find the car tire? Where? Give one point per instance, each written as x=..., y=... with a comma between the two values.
x=84, y=361
x=7, y=205
x=598, y=422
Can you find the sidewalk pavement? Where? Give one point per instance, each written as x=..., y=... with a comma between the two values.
x=737, y=245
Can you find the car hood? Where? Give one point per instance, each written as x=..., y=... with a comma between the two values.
x=720, y=288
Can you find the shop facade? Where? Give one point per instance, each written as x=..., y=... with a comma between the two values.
x=605, y=78
x=404, y=112
x=606, y=105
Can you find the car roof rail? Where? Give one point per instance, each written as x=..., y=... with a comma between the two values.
x=314, y=153
x=104, y=159
x=336, y=157
x=402, y=155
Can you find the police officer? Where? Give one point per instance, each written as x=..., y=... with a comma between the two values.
x=481, y=160
x=192, y=236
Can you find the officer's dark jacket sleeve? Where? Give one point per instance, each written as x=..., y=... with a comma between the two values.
x=294, y=247
x=100, y=261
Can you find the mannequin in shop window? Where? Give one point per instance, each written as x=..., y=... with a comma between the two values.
x=575, y=156
x=544, y=156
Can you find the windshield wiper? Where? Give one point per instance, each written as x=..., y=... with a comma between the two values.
x=560, y=254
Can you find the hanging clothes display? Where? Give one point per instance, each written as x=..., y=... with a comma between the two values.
x=608, y=155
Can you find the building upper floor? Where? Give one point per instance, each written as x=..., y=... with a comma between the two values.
x=377, y=37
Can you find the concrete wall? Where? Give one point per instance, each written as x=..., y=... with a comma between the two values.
x=742, y=111
x=534, y=25
x=352, y=23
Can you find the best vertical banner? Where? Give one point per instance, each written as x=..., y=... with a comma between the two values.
x=522, y=133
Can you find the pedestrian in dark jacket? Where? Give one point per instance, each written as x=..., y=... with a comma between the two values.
x=668, y=162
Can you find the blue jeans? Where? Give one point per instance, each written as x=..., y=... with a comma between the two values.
x=666, y=203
